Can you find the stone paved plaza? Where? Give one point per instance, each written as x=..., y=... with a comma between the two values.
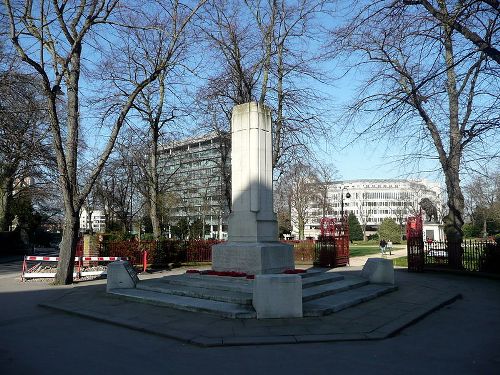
x=460, y=337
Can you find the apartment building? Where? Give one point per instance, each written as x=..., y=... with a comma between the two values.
x=93, y=219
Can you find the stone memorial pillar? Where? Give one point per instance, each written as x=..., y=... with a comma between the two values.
x=252, y=245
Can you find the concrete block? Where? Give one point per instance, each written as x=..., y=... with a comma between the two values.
x=379, y=271
x=121, y=275
x=252, y=258
x=277, y=296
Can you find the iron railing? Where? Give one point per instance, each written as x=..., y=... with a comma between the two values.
x=471, y=256
x=164, y=252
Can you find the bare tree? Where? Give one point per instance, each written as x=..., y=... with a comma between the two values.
x=289, y=66
x=364, y=214
x=483, y=196
x=121, y=191
x=426, y=88
x=24, y=140
x=54, y=39
x=326, y=174
x=265, y=56
x=304, y=192
x=169, y=37
x=465, y=17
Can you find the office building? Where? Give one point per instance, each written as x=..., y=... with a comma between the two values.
x=195, y=173
x=371, y=200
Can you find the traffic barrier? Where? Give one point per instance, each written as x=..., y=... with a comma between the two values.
x=97, y=259
x=34, y=270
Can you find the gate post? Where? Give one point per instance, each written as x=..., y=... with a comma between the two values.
x=415, y=244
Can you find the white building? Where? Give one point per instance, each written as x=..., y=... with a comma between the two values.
x=95, y=220
x=371, y=201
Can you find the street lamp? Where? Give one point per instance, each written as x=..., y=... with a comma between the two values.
x=342, y=201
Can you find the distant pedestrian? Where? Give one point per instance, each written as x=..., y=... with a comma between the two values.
x=383, y=244
x=389, y=247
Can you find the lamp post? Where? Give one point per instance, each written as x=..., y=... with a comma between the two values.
x=342, y=201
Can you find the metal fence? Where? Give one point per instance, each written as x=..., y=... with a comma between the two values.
x=164, y=252
x=472, y=256
x=303, y=250
x=160, y=253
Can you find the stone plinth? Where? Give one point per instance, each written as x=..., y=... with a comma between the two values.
x=252, y=245
x=121, y=274
x=433, y=231
x=252, y=258
x=379, y=271
x=277, y=296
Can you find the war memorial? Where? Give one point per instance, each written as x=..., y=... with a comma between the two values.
x=268, y=287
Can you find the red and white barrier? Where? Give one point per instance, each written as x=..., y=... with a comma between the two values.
x=98, y=259
x=32, y=272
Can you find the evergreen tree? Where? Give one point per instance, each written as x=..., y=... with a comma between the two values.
x=390, y=230
x=355, y=230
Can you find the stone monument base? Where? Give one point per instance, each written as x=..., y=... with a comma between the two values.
x=253, y=258
x=433, y=232
x=378, y=271
x=277, y=296
x=121, y=275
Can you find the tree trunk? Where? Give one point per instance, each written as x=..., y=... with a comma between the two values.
x=454, y=220
x=301, y=228
x=451, y=164
x=6, y=189
x=67, y=249
x=153, y=187
x=67, y=166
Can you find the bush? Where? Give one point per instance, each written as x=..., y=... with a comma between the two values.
x=118, y=236
x=147, y=236
x=471, y=231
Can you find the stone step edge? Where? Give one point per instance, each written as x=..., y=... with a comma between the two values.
x=327, y=279
x=238, y=285
x=316, y=312
x=216, y=284
x=208, y=292
x=189, y=304
x=197, y=292
x=312, y=294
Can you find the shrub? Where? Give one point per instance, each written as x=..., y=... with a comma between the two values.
x=471, y=231
x=490, y=259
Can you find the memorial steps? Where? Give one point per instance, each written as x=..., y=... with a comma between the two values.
x=323, y=293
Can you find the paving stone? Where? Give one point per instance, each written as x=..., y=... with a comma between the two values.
x=374, y=319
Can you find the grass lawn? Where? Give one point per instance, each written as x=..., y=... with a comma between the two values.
x=401, y=262
x=360, y=250
x=356, y=250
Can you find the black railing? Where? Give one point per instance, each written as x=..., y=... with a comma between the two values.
x=472, y=256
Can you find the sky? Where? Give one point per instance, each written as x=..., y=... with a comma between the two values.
x=357, y=160
x=362, y=159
